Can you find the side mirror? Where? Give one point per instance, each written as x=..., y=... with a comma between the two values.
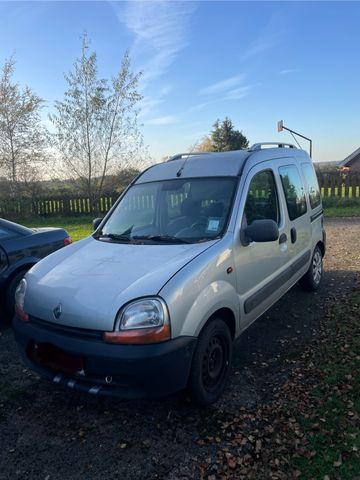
x=96, y=223
x=262, y=231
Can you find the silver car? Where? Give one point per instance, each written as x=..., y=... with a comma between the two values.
x=193, y=252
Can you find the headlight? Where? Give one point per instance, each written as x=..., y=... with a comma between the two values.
x=142, y=314
x=20, y=300
x=142, y=321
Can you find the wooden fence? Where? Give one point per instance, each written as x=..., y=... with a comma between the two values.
x=56, y=206
x=332, y=186
x=335, y=185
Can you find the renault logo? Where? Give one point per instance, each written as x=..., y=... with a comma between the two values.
x=57, y=311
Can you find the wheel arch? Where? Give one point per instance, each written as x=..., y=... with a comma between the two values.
x=228, y=316
x=17, y=269
x=321, y=245
x=218, y=299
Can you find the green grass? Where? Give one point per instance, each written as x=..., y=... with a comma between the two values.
x=341, y=207
x=77, y=227
x=336, y=440
x=342, y=211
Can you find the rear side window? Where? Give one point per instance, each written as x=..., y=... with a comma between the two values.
x=294, y=191
x=262, y=199
x=312, y=185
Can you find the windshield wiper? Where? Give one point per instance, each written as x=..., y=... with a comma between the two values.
x=161, y=238
x=115, y=236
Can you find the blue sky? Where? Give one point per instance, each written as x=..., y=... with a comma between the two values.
x=256, y=62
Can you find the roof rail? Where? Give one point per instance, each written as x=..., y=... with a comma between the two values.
x=258, y=146
x=182, y=155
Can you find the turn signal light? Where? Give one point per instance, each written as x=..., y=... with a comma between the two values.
x=139, y=336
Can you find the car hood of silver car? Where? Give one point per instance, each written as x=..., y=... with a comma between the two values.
x=85, y=284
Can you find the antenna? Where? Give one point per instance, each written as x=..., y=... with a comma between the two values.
x=178, y=173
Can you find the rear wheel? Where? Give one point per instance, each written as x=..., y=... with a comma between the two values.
x=312, y=278
x=211, y=363
x=11, y=289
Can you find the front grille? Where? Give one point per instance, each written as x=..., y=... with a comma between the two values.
x=66, y=330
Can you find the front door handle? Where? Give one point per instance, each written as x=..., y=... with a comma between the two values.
x=283, y=238
x=293, y=235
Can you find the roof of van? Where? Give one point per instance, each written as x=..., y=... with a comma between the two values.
x=216, y=164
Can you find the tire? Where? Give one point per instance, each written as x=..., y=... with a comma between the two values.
x=312, y=279
x=11, y=289
x=211, y=364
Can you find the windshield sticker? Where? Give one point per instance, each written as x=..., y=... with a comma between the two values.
x=213, y=224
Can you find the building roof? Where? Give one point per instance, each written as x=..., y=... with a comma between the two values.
x=349, y=160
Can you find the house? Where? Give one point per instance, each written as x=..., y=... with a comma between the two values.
x=352, y=162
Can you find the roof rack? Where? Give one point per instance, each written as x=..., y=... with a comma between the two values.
x=258, y=146
x=186, y=155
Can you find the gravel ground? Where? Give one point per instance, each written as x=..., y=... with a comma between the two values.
x=51, y=433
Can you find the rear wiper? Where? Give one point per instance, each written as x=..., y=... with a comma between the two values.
x=161, y=238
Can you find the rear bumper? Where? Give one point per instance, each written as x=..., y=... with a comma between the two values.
x=136, y=371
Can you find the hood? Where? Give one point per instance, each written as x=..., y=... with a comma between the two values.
x=93, y=279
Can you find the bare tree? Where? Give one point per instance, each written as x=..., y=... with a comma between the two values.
x=96, y=122
x=23, y=138
x=205, y=145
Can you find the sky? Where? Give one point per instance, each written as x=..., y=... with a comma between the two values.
x=255, y=62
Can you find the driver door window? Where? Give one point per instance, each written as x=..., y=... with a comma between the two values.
x=262, y=199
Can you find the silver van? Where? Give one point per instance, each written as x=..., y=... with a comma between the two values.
x=193, y=252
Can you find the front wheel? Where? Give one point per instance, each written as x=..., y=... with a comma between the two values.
x=312, y=278
x=211, y=363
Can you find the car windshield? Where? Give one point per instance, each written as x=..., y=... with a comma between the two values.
x=172, y=211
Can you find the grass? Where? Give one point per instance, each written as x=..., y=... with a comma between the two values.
x=342, y=211
x=341, y=207
x=335, y=441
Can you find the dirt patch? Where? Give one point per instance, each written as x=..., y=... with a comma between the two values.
x=47, y=432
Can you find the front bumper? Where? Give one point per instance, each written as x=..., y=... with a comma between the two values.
x=135, y=371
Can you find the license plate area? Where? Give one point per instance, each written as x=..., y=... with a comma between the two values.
x=54, y=358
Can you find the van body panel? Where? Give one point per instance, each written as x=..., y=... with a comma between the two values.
x=201, y=288
x=94, y=284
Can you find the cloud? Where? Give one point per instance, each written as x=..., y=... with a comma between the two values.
x=286, y=71
x=270, y=35
x=232, y=94
x=147, y=104
x=260, y=45
x=160, y=30
x=223, y=85
x=238, y=93
x=166, y=120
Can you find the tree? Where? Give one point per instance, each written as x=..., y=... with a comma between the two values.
x=223, y=138
x=96, y=122
x=205, y=145
x=23, y=139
